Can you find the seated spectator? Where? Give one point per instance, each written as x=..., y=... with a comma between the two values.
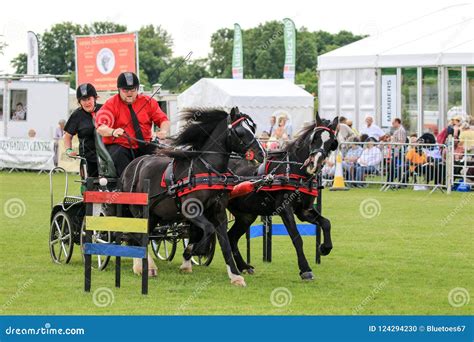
x=371, y=129
x=368, y=162
x=466, y=138
x=329, y=167
x=416, y=159
x=350, y=159
x=264, y=136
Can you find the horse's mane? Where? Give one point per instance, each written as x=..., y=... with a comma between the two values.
x=300, y=137
x=198, y=128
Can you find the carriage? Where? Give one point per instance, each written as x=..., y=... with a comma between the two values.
x=67, y=226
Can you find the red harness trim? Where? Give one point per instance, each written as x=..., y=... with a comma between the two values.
x=186, y=190
x=313, y=192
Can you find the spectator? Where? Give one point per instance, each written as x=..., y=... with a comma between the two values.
x=416, y=159
x=349, y=123
x=350, y=159
x=466, y=137
x=280, y=132
x=399, y=132
x=272, y=125
x=329, y=167
x=20, y=113
x=371, y=129
x=58, y=134
x=264, y=136
x=368, y=162
x=345, y=132
x=31, y=133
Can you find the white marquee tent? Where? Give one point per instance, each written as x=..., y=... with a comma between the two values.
x=256, y=97
x=351, y=76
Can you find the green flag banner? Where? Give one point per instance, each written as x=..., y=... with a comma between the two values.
x=237, y=56
x=290, y=49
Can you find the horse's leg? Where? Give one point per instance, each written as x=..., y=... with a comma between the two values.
x=313, y=216
x=288, y=218
x=219, y=219
x=187, y=265
x=137, y=263
x=241, y=225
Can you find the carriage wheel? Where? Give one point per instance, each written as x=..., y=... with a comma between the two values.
x=60, y=238
x=203, y=260
x=101, y=261
x=164, y=249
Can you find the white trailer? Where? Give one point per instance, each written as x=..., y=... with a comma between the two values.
x=32, y=102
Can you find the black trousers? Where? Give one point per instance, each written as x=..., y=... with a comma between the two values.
x=122, y=156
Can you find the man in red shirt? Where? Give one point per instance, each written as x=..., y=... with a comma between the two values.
x=125, y=122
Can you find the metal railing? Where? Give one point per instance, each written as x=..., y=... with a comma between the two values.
x=394, y=165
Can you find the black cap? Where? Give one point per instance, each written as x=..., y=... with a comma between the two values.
x=127, y=80
x=85, y=90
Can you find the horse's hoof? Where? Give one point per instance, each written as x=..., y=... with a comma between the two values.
x=238, y=281
x=325, y=250
x=249, y=270
x=307, y=276
x=186, y=269
x=152, y=272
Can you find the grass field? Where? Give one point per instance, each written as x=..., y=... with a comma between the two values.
x=405, y=260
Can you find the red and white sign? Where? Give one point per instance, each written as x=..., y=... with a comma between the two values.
x=101, y=58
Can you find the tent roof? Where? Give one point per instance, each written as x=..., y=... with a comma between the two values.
x=212, y=93
x=443, y=37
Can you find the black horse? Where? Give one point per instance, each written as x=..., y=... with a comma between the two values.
x=296, y=165
x=190, y=183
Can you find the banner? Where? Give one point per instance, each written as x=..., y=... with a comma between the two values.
x=237, y=56
x=30, y=154
x=389, y=100
x=101, y=58
x=32, y=54
x=290, y=49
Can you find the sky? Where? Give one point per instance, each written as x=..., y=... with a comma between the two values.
x=191, y=23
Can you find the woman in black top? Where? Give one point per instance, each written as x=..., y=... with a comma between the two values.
x=81, y=122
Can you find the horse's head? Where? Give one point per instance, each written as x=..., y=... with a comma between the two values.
x=241, y=136
x=322, y=142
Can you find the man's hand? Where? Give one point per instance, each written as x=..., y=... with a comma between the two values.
x=162, y=135
x=117, y=132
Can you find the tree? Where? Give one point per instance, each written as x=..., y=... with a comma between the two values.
x=178, y=79
x=220, y=58
x=19, y=63
x=154, y=46
x=3, y=45
x=56, y=54
x=104, y=27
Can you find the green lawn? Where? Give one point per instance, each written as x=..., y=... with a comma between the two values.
x=405, y=260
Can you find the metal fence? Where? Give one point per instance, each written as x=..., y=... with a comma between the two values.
x=397, y=165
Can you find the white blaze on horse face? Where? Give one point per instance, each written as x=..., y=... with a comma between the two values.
x=325, y=136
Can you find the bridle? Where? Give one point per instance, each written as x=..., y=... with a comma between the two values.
x=321, y=150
